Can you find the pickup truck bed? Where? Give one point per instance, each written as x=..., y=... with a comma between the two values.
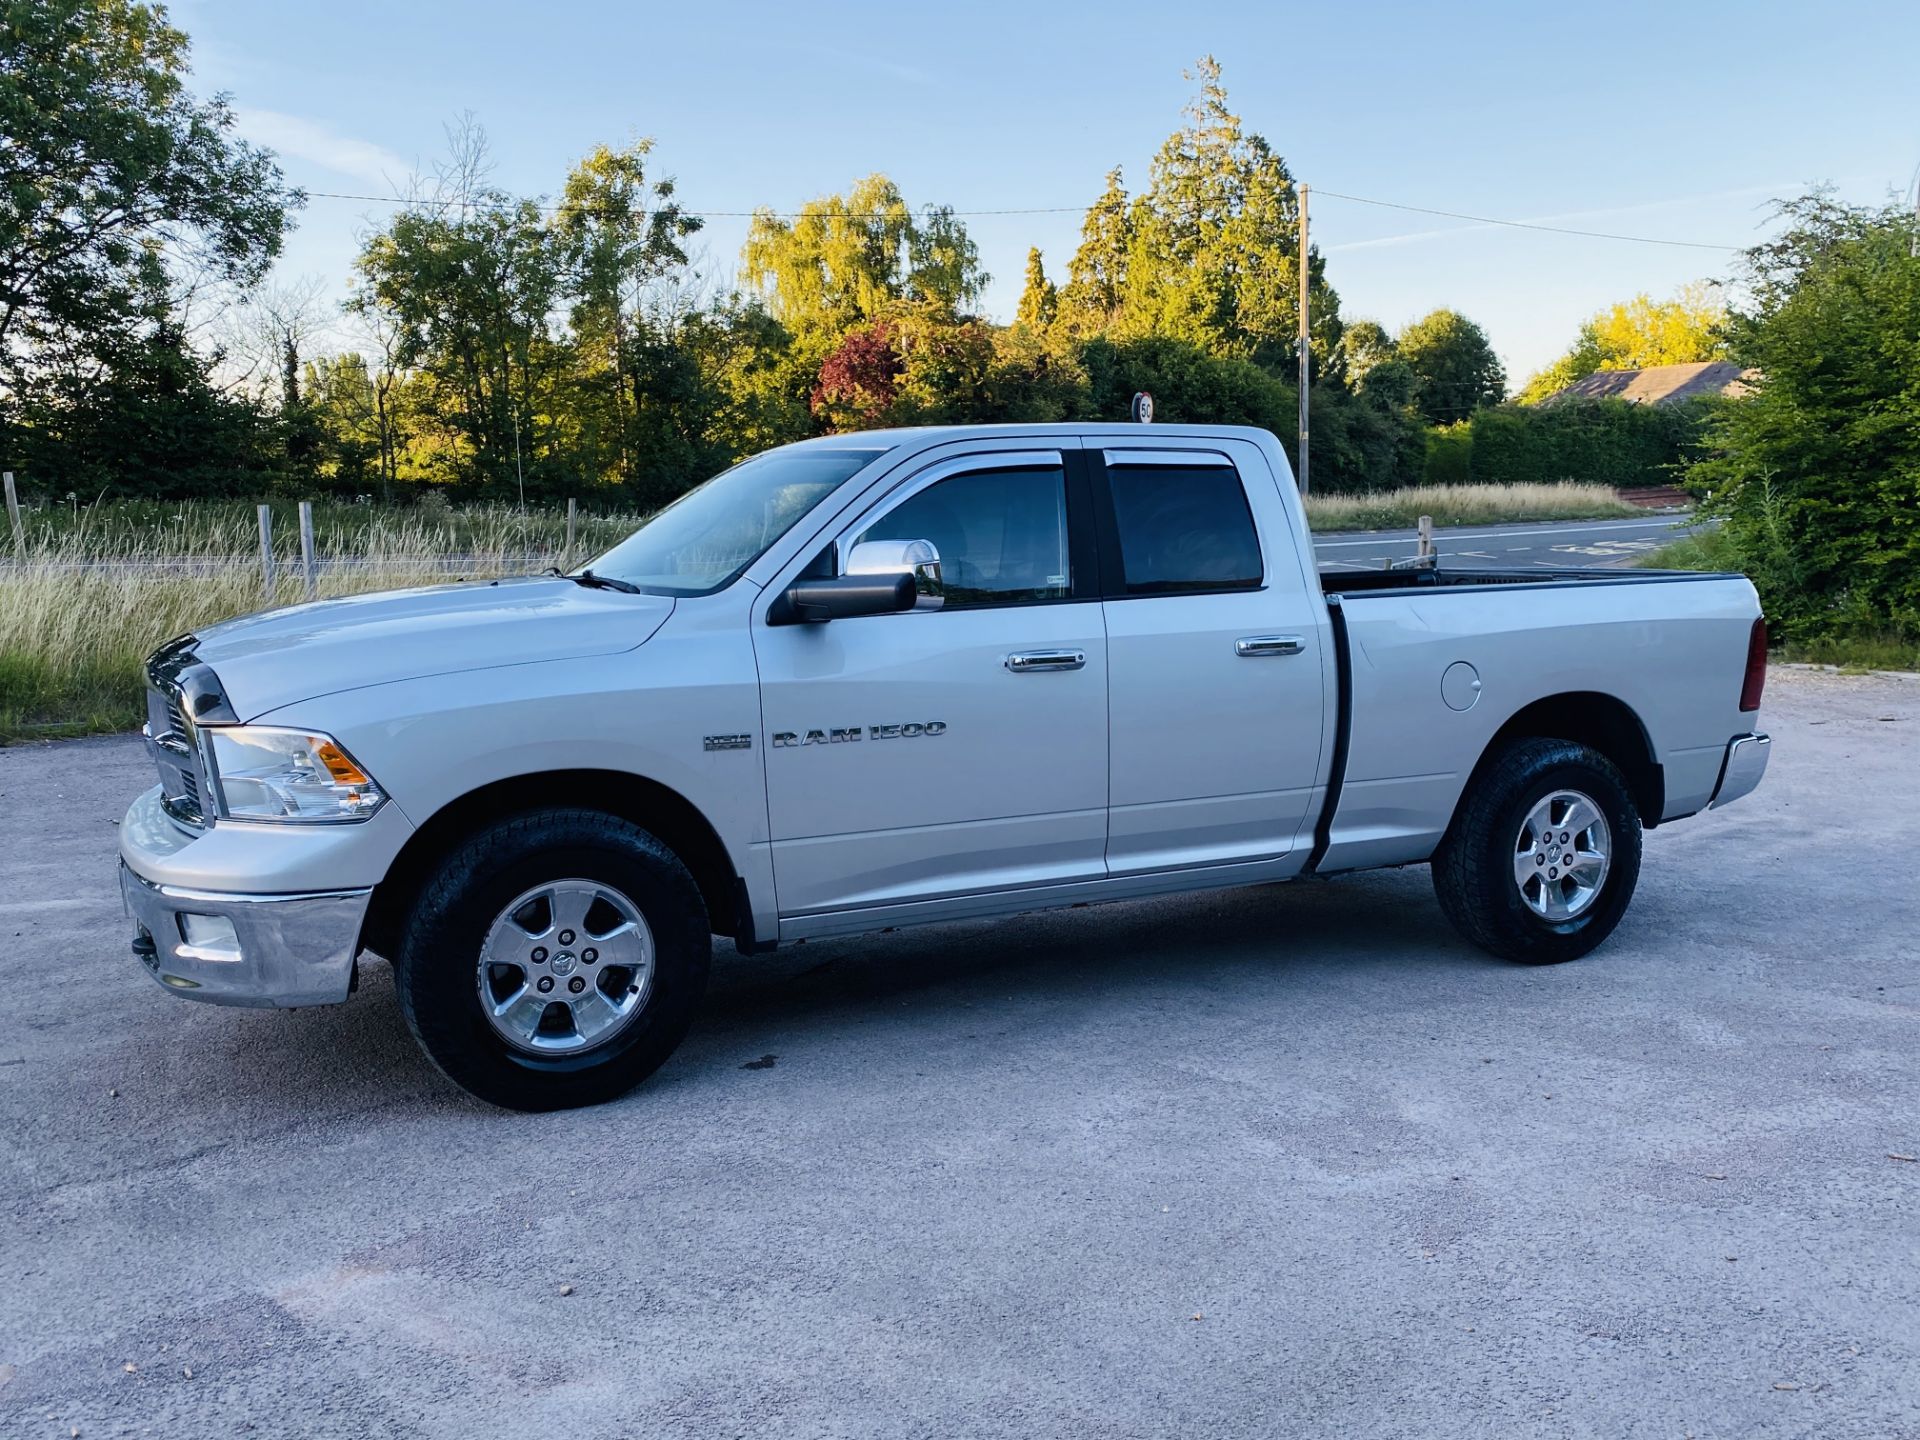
x=1527, y=645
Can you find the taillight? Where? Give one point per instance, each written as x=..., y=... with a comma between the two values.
x=1756, y=678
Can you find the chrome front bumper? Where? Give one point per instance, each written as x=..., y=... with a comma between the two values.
x=1746, y=762
x=258, y=950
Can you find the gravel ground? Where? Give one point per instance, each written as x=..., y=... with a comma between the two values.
x=1289, y=1160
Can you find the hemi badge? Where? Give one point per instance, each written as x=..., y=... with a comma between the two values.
x=728, y=742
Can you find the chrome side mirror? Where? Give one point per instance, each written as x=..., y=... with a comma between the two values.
x=918, y=558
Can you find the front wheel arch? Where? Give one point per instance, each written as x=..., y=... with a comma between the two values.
x=656, y=808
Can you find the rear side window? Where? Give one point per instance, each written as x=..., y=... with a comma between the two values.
x=1184, y=529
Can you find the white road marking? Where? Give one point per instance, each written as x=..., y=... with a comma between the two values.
x=1380, y=537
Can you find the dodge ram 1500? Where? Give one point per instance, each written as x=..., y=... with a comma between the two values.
x=902, y=676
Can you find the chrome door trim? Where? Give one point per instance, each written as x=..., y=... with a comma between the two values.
x=1023, y=662
x=1252, y=647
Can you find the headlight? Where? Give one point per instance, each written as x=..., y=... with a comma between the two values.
x=261, y=773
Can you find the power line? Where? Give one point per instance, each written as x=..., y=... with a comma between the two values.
x=1529, y=224
x=702, y=214
x=1054, y=210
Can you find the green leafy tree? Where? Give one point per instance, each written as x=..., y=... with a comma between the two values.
x=1817, y=472
x=113, y=176
x=1631, y=335
x=1214, y=243
x=620, y=237
x=470, y=279
x=1097, y=276
x=147, y=420
x=1363, y=345
x=1039, y=301
x=1454, y=368
x=847, y=260
x=338, y=394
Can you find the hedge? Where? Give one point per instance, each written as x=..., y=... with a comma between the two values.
x=1604, y=442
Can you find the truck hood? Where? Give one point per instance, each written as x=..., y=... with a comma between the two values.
x=277, y=657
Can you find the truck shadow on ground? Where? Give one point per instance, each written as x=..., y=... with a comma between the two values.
x=1257, y=946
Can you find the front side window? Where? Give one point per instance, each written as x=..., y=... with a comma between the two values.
x=1184, y=529
x=1001, y=534
x=708, y=536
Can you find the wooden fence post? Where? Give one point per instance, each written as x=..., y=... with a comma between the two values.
x=266, y=552
x=13, y=515
x=306, y=549
x=566, y=556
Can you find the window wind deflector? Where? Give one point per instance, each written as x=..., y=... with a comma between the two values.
x=1144, y=456
x=604, y=582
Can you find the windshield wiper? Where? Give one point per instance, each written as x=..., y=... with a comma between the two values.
x=604, y=582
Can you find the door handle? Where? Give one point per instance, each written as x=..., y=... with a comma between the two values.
x=1254, y=646
x=1022, y=661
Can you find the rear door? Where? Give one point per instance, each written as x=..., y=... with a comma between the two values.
x=952, y=749
x=1213, y=651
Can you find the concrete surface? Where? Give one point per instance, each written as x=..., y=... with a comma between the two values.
x=1523, y=544
x=1283, y=1161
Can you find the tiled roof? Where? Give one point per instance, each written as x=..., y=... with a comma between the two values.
x=1661, y=384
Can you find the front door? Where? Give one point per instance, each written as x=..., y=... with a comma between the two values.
x=956, y=748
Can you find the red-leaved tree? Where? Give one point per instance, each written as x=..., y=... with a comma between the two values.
x=860, y=380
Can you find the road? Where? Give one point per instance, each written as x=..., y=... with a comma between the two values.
x=1282, y=1161
x=1572, y=544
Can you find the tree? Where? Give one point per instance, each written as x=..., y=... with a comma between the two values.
x=147, y=420
x=1454, y=368
x=1038, y=300
x=471, y=278
x=618, y=237
x=1363, y=345
x=111, y=176
x=845, y=260
x=338, y=395
x=1097, y=276
x=1817, y=472
x=1214, y=243
x=860, y=380
x=1634, y=334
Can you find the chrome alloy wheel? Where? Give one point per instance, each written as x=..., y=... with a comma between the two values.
x=1561, y=856
x=565, y=967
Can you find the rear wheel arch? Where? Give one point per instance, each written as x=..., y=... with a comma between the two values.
x=660, y=810
x=1602, y=722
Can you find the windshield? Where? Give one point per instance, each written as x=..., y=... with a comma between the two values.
x=709, y=535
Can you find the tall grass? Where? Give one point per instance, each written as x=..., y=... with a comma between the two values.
x=89, y=599
x=1465, y=505
x=97, y=588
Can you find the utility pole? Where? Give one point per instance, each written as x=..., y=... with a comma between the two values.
x=1302, y=477
x=519, y=474
x=1913, y=249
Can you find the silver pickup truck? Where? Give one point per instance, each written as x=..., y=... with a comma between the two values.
x=902, y=676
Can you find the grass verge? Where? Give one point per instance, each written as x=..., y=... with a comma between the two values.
x=1465, y=505
x=99, y=587
x=95, y=593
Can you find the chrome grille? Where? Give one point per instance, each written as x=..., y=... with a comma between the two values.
x=171, y=744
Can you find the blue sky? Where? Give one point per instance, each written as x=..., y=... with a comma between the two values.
x=1675, y=120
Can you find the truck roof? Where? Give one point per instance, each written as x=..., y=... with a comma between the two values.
x=930, y=435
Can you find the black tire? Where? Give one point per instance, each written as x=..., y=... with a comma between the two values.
x=1473, y=870
x=435, y=973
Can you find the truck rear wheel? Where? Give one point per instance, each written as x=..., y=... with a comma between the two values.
x=1543, y=855
x=555, y=959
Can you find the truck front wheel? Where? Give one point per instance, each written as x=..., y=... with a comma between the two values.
x=554, y=959
x=1543, y=855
